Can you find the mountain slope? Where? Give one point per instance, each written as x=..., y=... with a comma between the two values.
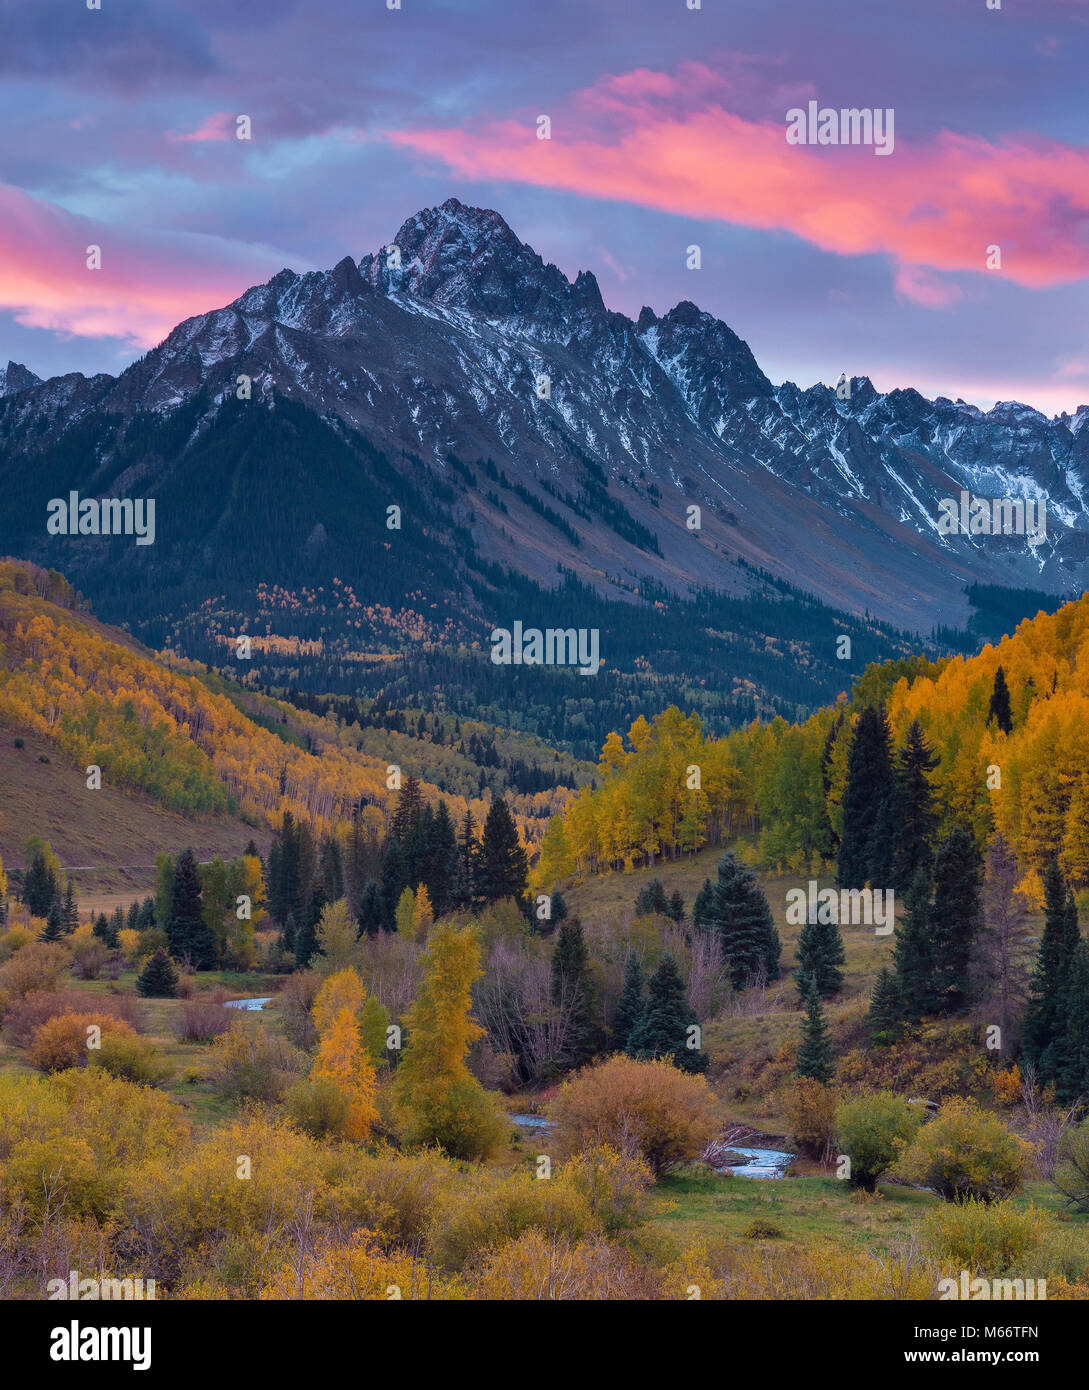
x=457, y=339
x=217, y=754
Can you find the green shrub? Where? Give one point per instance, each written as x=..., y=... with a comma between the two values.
x=872, y=1130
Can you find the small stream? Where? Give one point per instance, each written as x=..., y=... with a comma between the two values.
x=758, y=1163
x=248, y=1004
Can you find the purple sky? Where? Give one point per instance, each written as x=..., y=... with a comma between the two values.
x=668, y=129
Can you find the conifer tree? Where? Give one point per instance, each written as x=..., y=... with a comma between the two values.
x=999, y=708
x=559, y=911
x=188, y=934
x=629, y=1007
x=1044, y=1021
x=864, y=848
x=1071, y=1051
x=306, y=932
x=102, y=929
x=815, y=1052
x=676, y=907
x=159, y=978
x=651, y=898
x=572, y=992
x=702, y=907
x=393, y=878
x=39, y=886
x=465, y=874
x=913, y=955
x=440, y=864
x=739, y=912
x=504, y=871
x=663, y=1027
x=820, y=956
x=409, y=809
x=372, y=911
x=70, y=912
x=913, y=817
x=54, y=923
x=999, y=970
x=955, y=916
x=886, y=1009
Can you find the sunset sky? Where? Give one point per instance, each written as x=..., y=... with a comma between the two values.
x=668, y=129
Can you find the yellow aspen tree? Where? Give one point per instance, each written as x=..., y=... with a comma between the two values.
x=438, y=1098
x=341, y=1059
x=341, y=990
x=423, y=914
x=406, y=908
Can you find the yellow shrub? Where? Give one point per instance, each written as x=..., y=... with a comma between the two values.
x=538, y=1267
x=356, y=1269
x=69, y=1039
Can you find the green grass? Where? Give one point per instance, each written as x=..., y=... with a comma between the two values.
x=700, y=1203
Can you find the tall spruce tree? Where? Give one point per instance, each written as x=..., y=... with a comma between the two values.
x=393, y=877
x=865, y=846
x=40, y=889
x=664, y=1027
x=54, y=923
x=913, y=817
x=70, y=911
x=629, y=1007
x=1071, y=1050
x=886, y=1009
x=372, y=909
x=306, y=933
x=815, y=1051
x=572, y=993
x=703, y=905
x=187, y=934
x=820, y=956
x=1045, y=1022
x=913, y=952
x=464, y=892
x=504, y=870
x=409, y=809
x=999, y=708
x=955, y=917
x=739, y=912
x=441, y=858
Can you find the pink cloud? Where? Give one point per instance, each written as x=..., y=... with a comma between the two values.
x=149, y=281
x=219, y=126
x=922, y=287
x=669, y=142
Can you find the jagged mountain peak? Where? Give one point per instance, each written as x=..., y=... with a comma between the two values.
x=463, y=257
x=15, y=377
